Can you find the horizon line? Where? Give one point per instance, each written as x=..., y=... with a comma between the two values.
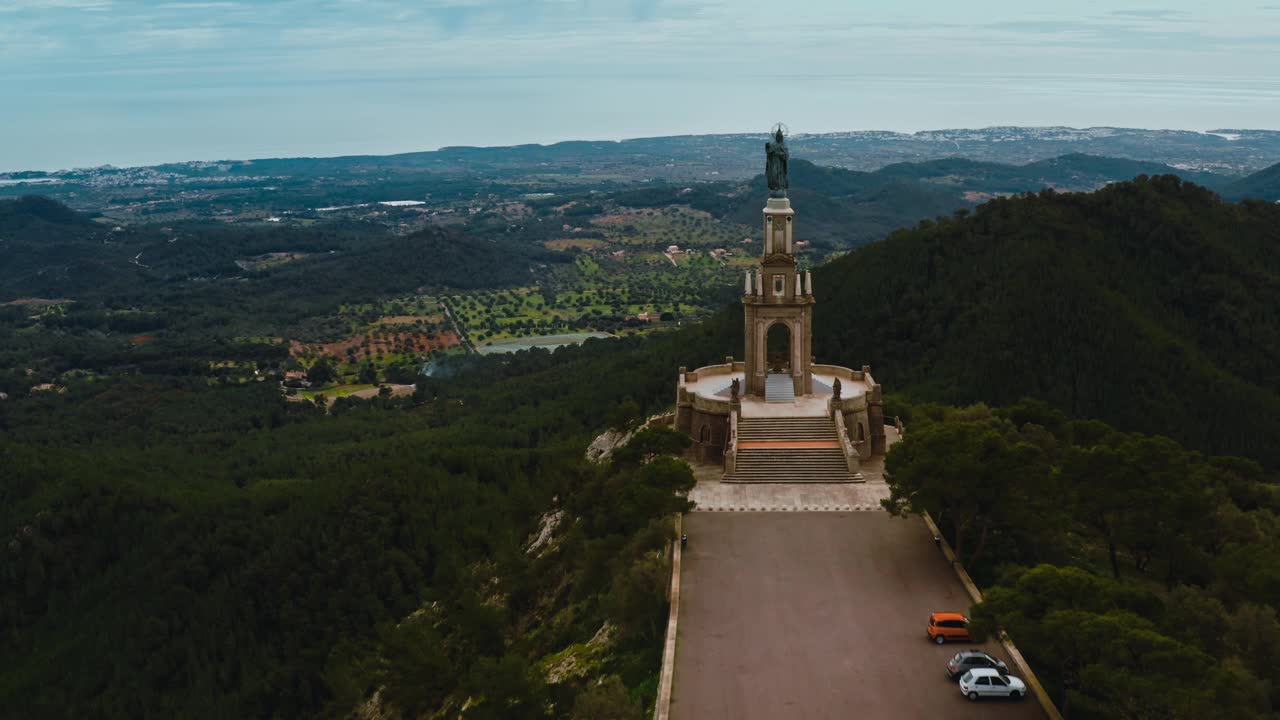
x=764, y=133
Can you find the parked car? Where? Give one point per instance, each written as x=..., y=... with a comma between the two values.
x=967, y=660
x=944, y=626
x=989, y=682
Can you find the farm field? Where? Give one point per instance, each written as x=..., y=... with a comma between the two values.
x=334, y=392
x=672, y=225
x=377, y=344
x=269, y=260
x=578, y=243
x=374, y=341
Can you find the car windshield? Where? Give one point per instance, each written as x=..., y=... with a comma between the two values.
x=967, y=677
x=956, y=659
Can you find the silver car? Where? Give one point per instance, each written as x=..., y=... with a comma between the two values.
x=966, y=660
x=989, y=682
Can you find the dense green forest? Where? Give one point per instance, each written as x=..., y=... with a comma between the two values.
x=48, y=250
x=1138, y=577
x=187, y=550
x=189, y=545
x=1148, y=305
x=1075, y=171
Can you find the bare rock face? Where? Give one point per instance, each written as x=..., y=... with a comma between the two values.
x=581, y=660
x=374, y=709
x=547, y=527
x=606, y=442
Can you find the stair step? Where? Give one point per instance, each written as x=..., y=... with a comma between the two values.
x=779, y=388
x=789, y=464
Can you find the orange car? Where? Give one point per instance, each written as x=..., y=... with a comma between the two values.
x=944, y=626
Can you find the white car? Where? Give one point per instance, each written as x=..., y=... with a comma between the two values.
x=990, y=682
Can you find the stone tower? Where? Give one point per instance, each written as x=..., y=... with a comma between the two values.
x=778, y=309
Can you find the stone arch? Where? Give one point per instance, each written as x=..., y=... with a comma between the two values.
x=704, y=434
x=862, y=433
x=779, y=344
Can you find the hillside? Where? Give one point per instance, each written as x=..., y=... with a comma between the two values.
x=49, y=250
x=1262, y=185
x=848, y=208
x=1147, y=304
x=1075, y=171
x=310, y=562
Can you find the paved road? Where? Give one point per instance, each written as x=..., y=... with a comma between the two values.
x=807, y=616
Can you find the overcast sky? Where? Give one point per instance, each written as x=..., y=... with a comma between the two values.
x=126, y=82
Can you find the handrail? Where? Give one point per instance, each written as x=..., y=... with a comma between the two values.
x=731, y=444
x=845, y=444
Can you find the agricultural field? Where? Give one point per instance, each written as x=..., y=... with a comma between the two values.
x=333, y=392
x=616, y=295
x=672, y=225
x=624, y=278
x=378, y=345
x=269, y=260
x=575, y=243
x=381, y=340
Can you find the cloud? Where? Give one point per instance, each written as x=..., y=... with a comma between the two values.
x=189, y=38
x=195, y=5
x=39, y=5
x=1153, y=14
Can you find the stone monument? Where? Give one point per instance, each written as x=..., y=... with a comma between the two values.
x=779, y=308
x=777, y=416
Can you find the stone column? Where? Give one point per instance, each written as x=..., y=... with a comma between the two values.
x=684, y=410
x=875, y=420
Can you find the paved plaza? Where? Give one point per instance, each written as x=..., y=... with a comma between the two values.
x=815, y=615
x=715, y=496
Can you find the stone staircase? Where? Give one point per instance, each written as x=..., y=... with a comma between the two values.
x=778, y=387
x=766, y=452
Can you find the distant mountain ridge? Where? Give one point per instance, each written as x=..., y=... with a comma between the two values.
x=738, y=156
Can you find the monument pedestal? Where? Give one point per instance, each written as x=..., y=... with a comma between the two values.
x=778, y=297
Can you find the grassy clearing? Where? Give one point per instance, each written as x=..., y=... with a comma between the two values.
x=334, y=392
x=579, y=243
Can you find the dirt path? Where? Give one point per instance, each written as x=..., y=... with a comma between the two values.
x=457, y=329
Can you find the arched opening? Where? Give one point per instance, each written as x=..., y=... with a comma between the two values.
x=778, y=348
x=704, y=435
x=862, y=435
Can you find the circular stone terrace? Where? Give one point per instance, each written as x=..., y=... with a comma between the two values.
x=709, y=390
